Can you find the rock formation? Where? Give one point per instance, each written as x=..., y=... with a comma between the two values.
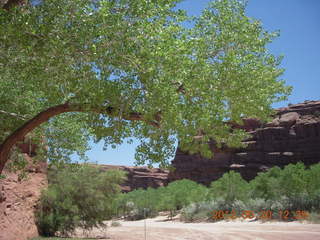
x=141, y=177
x=18, y=199
x=292, y=136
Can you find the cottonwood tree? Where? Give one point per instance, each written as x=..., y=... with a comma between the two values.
x=116, y=69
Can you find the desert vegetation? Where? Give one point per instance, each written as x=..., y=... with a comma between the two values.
x=140, y=203
x=293, y=188
x=78, y=196
x=84, y=197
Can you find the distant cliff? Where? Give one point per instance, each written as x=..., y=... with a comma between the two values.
x=292, y=136
x=141, y=177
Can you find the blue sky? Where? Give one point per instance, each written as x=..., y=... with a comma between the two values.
x=299, y=42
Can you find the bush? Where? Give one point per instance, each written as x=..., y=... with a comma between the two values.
x=140, y=203
x=78, y=196
x=313, y=180
x=258, y=204
x=314, y=217
x=292, y=188
x=295, y=187
x=198, y=211
x=266, y=185
x=204, y=210
x=115, y=224
x=182, y=193
x=230, y=186
x=293, y=180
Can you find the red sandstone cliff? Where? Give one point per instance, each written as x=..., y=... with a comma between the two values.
x=18, y=199
x=141, y=177
x=292, y=136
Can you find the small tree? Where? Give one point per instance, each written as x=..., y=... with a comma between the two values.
x=313, y=187
x=230, y=186
x=139, y=203
x=266, y=184
x=166, y=201
x=183, y=192
x=293, y=180
x=78, y=196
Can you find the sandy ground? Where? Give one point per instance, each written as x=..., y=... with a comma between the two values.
x=160, y=229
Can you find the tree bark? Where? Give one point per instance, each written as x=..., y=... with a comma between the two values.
x=44, y=116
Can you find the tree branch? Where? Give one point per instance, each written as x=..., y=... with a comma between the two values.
x=45, y=115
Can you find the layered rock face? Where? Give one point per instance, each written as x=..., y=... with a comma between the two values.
x=292, y=136
x=18, y=200
x=140, y=177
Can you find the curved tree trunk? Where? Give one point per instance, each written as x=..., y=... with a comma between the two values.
x=21, y=132
x=45, y=115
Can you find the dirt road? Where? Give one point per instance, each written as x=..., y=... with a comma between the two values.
x=158, y=229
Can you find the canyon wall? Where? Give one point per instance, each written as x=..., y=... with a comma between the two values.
x=292, y=136
x=18, y=200
x=140, y=177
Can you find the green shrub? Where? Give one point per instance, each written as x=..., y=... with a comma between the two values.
x=238, y=206
x=258, y=204
x=313, y=180
x=230, y=186
x=292, y=188
x=147, y=203
x=78, y=196
x=314, y=217
x=204, y=210
x=266, y=184
x=115, y=224
x=198, y=211
x=188, y=214
x=293, y=180
x=138, y=204
x=182, y=193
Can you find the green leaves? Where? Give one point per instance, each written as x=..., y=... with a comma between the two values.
x=170, y=198
x=137, y=56
x=230, y=187
x=77, y=196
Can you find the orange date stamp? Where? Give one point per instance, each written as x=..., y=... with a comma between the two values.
x=262, y=215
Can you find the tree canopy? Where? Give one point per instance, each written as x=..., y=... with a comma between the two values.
x=119, y=69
